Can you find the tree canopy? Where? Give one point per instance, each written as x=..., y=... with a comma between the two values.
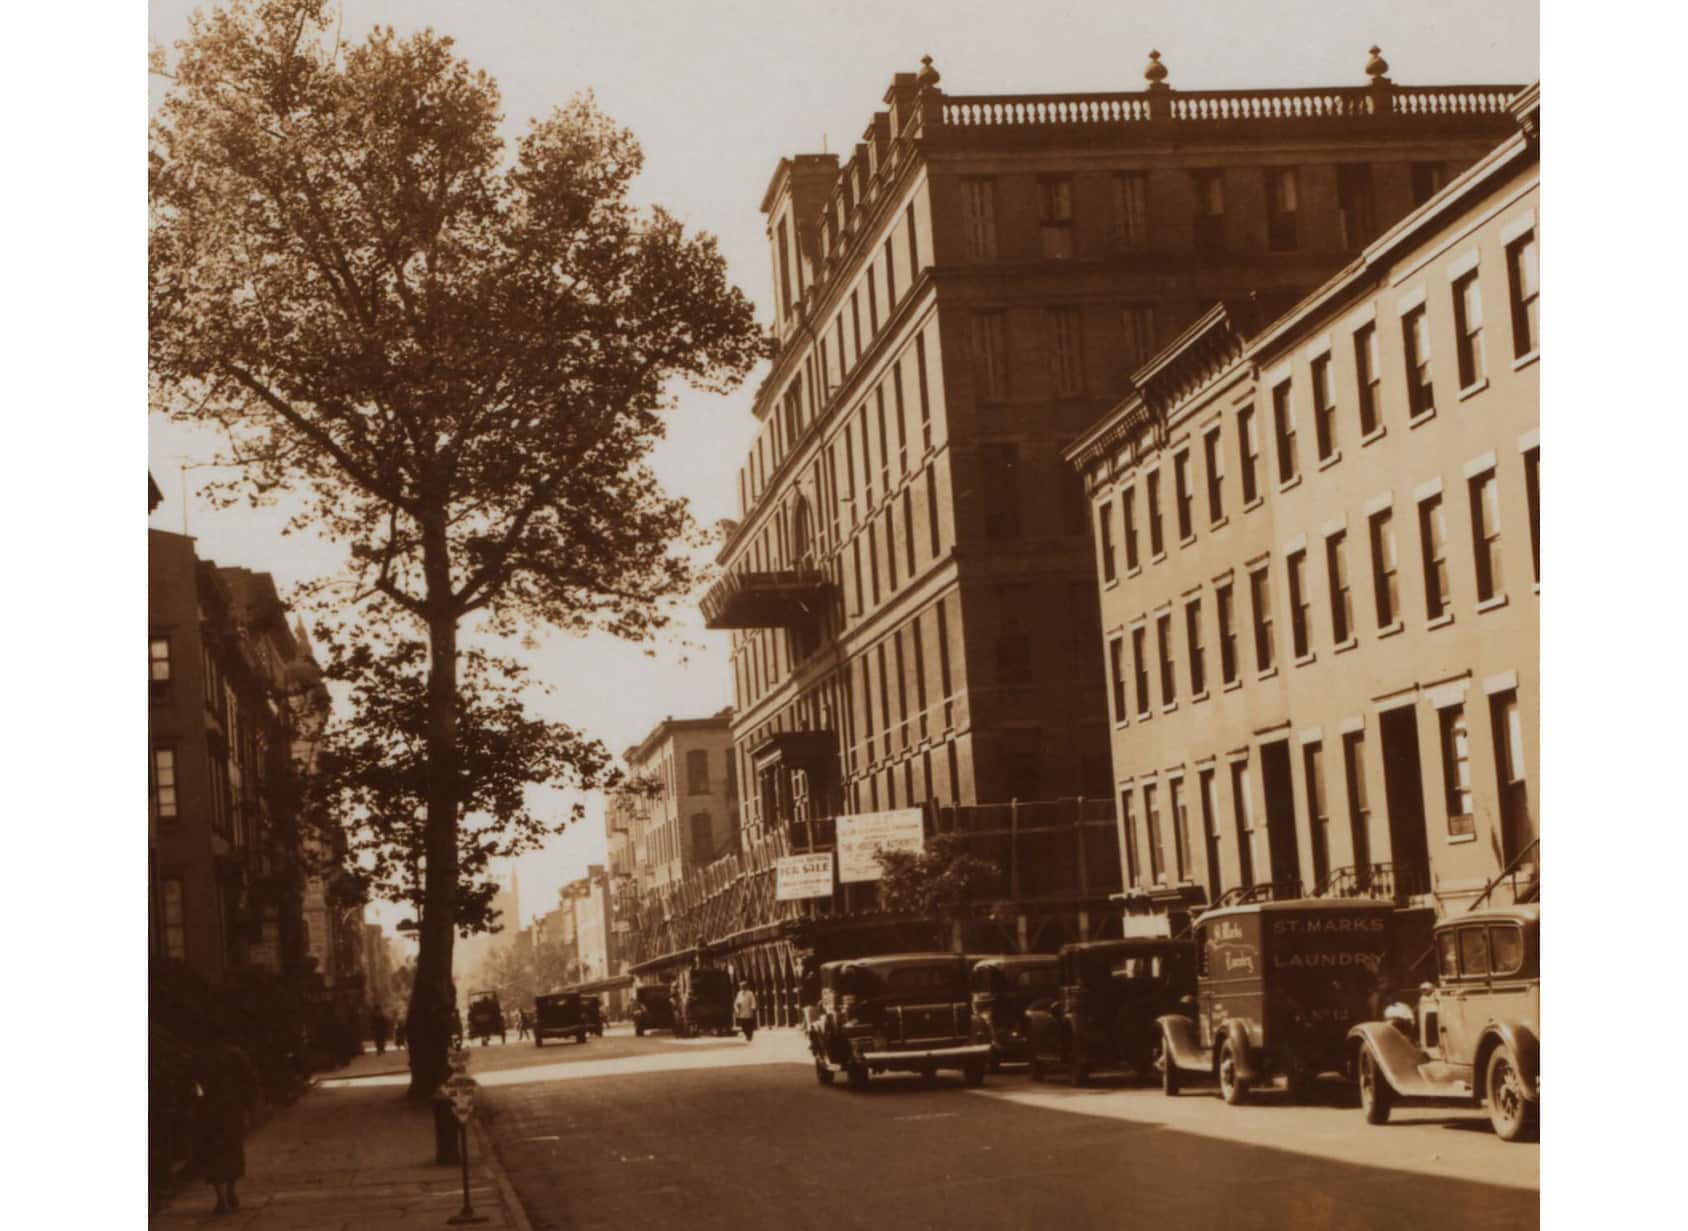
x=943, y=882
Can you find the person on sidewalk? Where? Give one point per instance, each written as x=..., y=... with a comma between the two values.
x=521, y=1024
x=227, y=1086
x=379, y=1029
x=744, y=1010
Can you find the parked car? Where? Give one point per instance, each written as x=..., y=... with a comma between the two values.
x=1278, y=987
x=1475, y=1037
x=653, y=1008
x=1108, y=1003
x=486, y=1018
x=906, y=1011
x=703, y=1001
x=592, y=1008
x=561, y=1015
x=1004, y=987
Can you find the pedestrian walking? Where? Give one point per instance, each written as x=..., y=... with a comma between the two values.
x=398, y=1032
x=744, y=1010
x=225, y=1087
x=521, y=1024
x=379, y=1029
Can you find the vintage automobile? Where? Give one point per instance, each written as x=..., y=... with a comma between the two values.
x=703, y=1001
x=1107, y=1007
x=592, y=1008
x=560, y=1015
x=1278, y=986
x=653, y=1008
x=906, y=1011
x=1004, y=987
x=485, y=1017
x=1475, y=1036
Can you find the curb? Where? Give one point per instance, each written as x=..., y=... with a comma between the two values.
x=495, y=1165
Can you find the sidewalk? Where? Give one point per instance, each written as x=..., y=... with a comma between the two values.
x=351, y=1157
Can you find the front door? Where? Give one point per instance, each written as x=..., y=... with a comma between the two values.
x=1403, y=786
x=1280, y=813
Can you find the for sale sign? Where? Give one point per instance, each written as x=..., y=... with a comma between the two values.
x=803, y=876
x=865, y=834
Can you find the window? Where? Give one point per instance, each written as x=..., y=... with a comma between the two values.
x=1359, y=806
x=1140, y=662
x=1318, y=818
x=1421, y=390
x=1180, y=828
x=1485, y=534
x=1168, y=672
x=1116, y=675
x=697, y=771
x=164, y=782
x=873, y=559
x=1468, y=330
x=990, y=356
x=1260, y=593
x=1131, y=210
x=1185, y=498
x=1367, y=370
x=1055, y=216
x=1128, y=506
x=925, y=402
x=1324, y=408
x=703, y=839
x=1456, y=762
x=1283, y=423
x=1384, y=582
x=785, y=269
x=890, y=279
x=1002, y=490
x=1105, y=535
x=1282, y=202
x=1128, y=824
x=1227, y=633
x=1068, y=352
x=1198, y=657
x=1532, y=493
x=891, y=546
x=1140, y=334
x=1242, y=804
x=1249, y=448
x=932, y=511
x=1215, y=475
x=1428, y=179
x=1210, y=210
x=1506, y=945
x=158, y=660
x=908, y=529
x=1433, y=534
x=913, y=245
x=1341, y=601
x=1157, y=846
x=1524, y=277
x=1157, y=540
x=856, y=322
x=175, y=919
x=1507, y=728
x=1208, y=785
x=1357, y=202
x=978, y=218
x=1300, y=605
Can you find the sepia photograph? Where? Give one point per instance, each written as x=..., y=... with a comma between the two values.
x=789, y=615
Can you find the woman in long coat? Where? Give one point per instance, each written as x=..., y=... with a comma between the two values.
x=228, y=1086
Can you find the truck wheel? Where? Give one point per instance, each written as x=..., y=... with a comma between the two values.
x=1079, y=1073
x=538, y=1039
x=857, y=1076
x=1512, y=1114
x=580, y=1037
x=639, y=1029
x=974, y=1073
x=823, y=1074
x=1172, y=1081
x=1376, y=1095
x=1233, y=1086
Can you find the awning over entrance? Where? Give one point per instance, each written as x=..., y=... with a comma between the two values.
x=794, y=750
x=782, y=599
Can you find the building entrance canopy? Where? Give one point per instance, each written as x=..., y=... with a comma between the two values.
x=784, y=599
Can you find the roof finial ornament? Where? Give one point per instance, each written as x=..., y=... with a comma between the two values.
x=1377, y=65
x=927, y=76
x=1154, y=72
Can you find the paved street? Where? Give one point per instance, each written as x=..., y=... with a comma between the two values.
x=629, y=1132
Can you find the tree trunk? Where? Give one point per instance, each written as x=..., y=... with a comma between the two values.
x=434, y=996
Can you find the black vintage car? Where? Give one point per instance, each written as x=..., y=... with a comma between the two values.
x=1107, y=1010
x=703, y=1001
x=1004, y=987
x=1279, y=986
x=907, y=1011
x=561, y=1015
x=486, y=1018
x=653, y=1008
x=592, y=1008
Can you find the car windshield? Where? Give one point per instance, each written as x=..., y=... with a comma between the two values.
x=1140, y=968
x=1036, y=977
x=711, y=980
x=943, y=980
x=1506, y=948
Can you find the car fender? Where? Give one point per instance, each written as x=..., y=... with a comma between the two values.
x=1397, y=1056
x=1525, y=1046
x=1184, y=1046
x=1042, y=1037
x=1247, y=1034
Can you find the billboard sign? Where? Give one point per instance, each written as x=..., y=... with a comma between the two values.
x=863, y=835
x=803, y=876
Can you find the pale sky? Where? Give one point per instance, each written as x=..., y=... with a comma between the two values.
x=717, y=93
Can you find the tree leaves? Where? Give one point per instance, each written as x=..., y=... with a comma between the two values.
x=941, y=882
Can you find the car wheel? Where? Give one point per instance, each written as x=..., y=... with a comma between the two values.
x=1233, y=1086
x=639, y=1029
x=823, y=1073
x=581, y=1037
x=1172, y=1081
x=857, y=1076
x=1512, y=1114
x=1376, y=1095
x=974, y=1073
x=1036, y=1067
x=1079, y=1071
x=538, y=1041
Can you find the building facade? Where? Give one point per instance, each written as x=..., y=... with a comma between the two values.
x=1318, y=557
x=681, y=810
x=910, y=584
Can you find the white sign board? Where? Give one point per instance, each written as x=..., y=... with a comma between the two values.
x=1146, y=926
x=862, y=835
x=803, y=876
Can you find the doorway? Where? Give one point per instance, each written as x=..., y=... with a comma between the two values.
x=1281, y=843
x=1403, y=788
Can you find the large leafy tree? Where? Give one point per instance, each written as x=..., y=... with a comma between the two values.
x=454, y=353
x=944, y=881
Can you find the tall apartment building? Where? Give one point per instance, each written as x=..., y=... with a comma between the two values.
x=910, y=584
x=1319, y=557
x=681, y=812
